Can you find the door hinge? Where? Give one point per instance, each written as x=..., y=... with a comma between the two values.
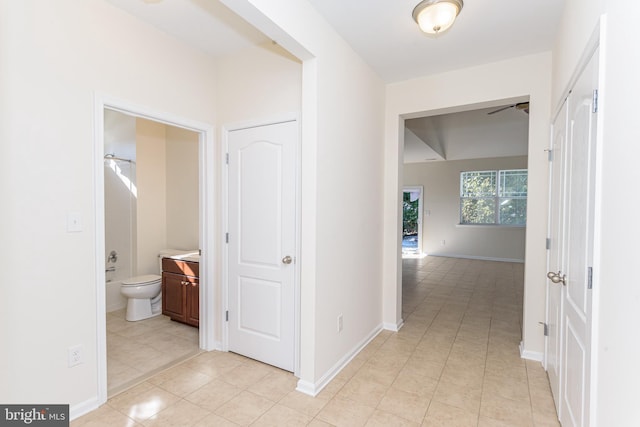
x=546, y=328
x=226, y=316
x=549, y=154
x=200, y=252
x=226, y=237
x=590, y=278
x=548, y=243
x=226, y=158
x=595, y=101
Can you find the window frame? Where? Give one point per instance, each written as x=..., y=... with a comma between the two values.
x=497, y=197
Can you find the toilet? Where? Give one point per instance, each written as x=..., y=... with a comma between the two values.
x=144, y=293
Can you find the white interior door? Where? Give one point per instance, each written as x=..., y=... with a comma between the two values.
x=261, y=242
x=555, y=261
x=578, y=251
x=572, y=191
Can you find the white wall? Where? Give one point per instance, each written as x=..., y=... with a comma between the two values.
x=342, y=105
x=182, y=190
x=462, y=90
x=151, y=178
x=441, y=183
x=51, y=69
x=258, y=83
x=616, y=295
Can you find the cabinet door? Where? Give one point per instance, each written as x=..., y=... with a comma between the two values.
x=193, y=301
x=173, y=300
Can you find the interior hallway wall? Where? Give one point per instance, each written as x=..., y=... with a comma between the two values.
x=56, y=57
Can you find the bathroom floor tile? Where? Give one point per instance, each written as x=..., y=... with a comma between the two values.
x=136, y=350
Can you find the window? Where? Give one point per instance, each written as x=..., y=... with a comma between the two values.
x=494, y=197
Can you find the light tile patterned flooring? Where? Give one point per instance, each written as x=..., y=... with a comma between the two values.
x=454, y=363
x=137, y=350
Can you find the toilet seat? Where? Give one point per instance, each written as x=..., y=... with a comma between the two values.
x=146, y=279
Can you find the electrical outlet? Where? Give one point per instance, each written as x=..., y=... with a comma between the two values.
x=74, y=222
x=75, y=355
x=340, y=323
x=444, y=243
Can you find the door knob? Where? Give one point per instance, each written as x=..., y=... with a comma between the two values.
x=557, y=278
x=287, y=260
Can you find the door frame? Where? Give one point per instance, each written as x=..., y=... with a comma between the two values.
x=409, y=188
x=207, y=218
x=226, y=130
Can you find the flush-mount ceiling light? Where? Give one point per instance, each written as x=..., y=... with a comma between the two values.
x=436, y=16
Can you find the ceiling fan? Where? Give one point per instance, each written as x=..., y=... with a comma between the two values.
x=521, y=106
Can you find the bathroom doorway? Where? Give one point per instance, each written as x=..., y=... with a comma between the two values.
x=150, y=176
x=151, y=181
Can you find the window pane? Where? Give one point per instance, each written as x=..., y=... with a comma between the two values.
x=477, y=211
x=513, y=183
x=513, y=211
x=478, y=184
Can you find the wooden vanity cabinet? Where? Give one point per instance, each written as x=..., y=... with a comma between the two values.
x=181, y=291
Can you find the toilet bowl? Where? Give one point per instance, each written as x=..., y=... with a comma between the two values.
x=144, y=296
x=144, y=293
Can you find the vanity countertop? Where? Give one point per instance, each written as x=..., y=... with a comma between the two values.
x=193, y=257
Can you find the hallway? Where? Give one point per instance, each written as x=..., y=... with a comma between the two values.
x=455, y=362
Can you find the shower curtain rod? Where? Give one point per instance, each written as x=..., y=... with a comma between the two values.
x=112, y=157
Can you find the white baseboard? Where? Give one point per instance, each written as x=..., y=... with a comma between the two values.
x=531, y=355
x=83, y=408
x=217, y=346
x=482, y=258
x=394, y=327
x=312, y=389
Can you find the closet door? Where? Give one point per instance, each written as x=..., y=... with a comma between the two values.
x=570, y=262
x=578, y=262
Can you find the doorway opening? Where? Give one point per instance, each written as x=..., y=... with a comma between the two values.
x=135, y=207
x=150, y=175
x=412, y=209
x=438, y=148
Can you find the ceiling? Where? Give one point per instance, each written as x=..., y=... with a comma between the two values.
x=384, y=34
x=202, y=24
x=467, y=135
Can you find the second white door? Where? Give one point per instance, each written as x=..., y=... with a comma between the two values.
x=570, y=263
x=262, y=243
